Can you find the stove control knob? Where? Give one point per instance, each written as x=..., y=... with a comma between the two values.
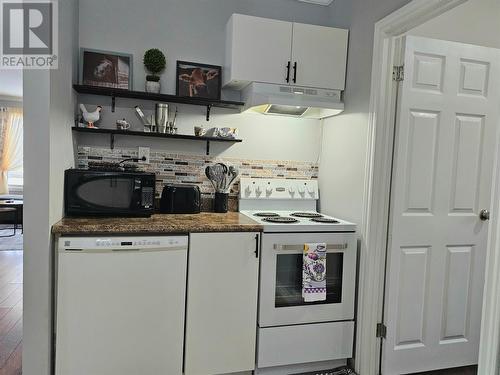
x=269, y=190
x=258, y=191
x=291, y=190
x=311, y=191
x=301, y=190
x=248, y=191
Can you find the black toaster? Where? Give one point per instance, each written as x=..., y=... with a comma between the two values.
x=180, y=199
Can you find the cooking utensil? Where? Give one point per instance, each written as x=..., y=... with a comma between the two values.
x=221, y=176
x=175, y=117
x=233, y=173
x=225, y=171
x=216, y=175
x=147, y=125
x=208, y=173
x=161, y=117
x=224, y=166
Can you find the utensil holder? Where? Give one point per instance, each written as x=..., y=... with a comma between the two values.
x=220, y=202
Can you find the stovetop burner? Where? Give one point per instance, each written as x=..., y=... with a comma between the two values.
x=266, y=214
x=325, y=220
x=306, y=214
x=280, y=220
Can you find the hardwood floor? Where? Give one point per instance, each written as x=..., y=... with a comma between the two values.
x=11, y=312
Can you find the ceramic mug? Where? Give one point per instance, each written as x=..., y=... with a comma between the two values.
x=122, y=125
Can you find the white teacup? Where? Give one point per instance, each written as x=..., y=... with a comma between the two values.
x=122, y=124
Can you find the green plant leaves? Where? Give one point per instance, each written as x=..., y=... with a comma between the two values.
x=154, y=61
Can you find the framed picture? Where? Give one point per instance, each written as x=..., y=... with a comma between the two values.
x=198, y=80
x=105, y=69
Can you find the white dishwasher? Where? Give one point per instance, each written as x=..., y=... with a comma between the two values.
x=120, y=305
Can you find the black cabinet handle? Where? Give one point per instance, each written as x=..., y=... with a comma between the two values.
x=295, y=72
x=287, y=79
x=256, y=245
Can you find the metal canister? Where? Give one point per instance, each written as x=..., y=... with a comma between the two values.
x=161, y=116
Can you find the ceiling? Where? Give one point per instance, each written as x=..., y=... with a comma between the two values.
x=11, y=83
x=318, y=2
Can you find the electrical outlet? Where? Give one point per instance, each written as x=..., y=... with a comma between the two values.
x=143, y=152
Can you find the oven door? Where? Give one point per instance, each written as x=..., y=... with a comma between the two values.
x=281, y=301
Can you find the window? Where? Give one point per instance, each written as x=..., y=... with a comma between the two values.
x=11, y=158
x=15, y=179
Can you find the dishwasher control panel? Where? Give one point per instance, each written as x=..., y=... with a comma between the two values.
x=112, y=242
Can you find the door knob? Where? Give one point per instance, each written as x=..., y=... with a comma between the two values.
x=484, y=214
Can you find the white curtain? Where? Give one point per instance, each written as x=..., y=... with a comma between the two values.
x=12, y=151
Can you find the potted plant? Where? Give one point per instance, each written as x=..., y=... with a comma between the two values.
x=154, y=62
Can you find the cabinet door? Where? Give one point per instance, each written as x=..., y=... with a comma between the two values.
x=320, y=54
x=258, y=49
x=221, y=310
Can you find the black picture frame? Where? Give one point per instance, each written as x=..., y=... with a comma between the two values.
x=187, y=74
x=106, y=69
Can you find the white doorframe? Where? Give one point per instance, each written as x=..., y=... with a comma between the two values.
x=377, y=196
x=489, y=361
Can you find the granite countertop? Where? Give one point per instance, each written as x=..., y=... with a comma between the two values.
x=179, y=223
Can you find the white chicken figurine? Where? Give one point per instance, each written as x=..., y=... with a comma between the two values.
x=91, y=117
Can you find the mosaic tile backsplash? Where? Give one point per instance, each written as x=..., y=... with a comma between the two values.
x=190, y=169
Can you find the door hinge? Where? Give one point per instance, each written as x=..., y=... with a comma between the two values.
x=381, y=330
x=398, y=73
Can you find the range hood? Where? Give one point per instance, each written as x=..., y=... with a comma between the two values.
x=294, y=101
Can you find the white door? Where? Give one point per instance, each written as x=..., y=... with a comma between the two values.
x=221, y=313
x=258, y=49
x=319, y=56
x=446, y=130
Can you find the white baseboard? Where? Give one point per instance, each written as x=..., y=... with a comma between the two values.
x=305, y=367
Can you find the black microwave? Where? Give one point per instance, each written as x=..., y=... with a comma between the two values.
x=101, y=193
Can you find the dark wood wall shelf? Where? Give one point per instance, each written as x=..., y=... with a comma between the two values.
x=113, y=132
x=121, y=93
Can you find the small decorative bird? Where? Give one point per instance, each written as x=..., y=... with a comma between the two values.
x=91, y=117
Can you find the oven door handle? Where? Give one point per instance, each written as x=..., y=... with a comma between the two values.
x=338, y=246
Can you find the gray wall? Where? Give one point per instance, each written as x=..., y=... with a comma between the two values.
x=194, y=30
x=264, y=137
x=461, y=24
x=343, y=159
x=36, y=262
x=48, y=150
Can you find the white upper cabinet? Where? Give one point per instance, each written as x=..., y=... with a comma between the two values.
x=285, y=53
x=319, y=56
x=257, y=49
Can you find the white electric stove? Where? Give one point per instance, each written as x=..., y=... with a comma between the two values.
x=282, y=205
x=293, y=335
x=298, y=221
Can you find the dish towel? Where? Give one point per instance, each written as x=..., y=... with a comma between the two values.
x=314, y=272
